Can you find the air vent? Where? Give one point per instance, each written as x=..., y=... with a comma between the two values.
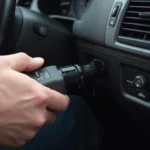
x=135, y=28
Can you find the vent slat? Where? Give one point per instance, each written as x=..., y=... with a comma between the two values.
x=133, y=12
x=135, y=30
x=139, y=2
x=143, y=7
x=134, y=26
x=137, y=18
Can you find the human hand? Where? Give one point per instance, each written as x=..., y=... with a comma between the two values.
x=25, y=105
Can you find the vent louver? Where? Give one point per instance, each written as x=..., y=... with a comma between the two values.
x=135, y=27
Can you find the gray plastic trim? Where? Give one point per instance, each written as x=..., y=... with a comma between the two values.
x=112, y=34
x=34, y=7
x=62, y=17
x=131, y=98
x=92, y=25
x=137, y=100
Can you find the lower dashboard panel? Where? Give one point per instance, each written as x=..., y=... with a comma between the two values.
x=136, y=83
x=122, y=76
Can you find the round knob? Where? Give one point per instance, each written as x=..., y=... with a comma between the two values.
x=139, y=81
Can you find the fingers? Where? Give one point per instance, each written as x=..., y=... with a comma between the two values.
x=56, y=101
x=22, y=62
x=50, y=116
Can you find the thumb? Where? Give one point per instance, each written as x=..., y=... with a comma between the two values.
x=22, y=62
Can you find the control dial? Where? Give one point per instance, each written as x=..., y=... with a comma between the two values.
x=140, y=81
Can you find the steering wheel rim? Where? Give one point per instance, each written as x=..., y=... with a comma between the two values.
x=7, y=15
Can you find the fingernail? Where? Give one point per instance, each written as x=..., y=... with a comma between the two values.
x=38, y=59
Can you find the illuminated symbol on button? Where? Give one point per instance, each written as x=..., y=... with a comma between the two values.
x=37, y=74
x=112, y=22
x=47, y=75
x=141, y=95
x=128, y=81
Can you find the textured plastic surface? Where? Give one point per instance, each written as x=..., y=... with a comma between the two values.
x=50, y=77
x=53, y=47
x=92, y=25
x=7, y=13
x=16, y=28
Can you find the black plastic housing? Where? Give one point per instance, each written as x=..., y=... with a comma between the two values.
x=57, y=48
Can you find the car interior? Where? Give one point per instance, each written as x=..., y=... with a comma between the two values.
x=114, y=34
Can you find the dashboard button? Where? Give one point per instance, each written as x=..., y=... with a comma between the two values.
x=130, y=83
x=115, y=11
x=112, y=22
x=40, y=30
x=142, y=95
x=139, y=81
x=114, y=14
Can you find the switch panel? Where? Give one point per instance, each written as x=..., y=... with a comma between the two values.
x=136, y=82
x=114, y=14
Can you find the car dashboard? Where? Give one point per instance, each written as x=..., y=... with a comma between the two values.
x=68, y=8
x=118, y=33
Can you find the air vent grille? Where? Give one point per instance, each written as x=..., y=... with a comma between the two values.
x=136, y=22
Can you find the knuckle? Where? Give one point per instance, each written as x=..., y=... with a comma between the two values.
x=24, y=56
x=41, y=97
x=40, y=122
